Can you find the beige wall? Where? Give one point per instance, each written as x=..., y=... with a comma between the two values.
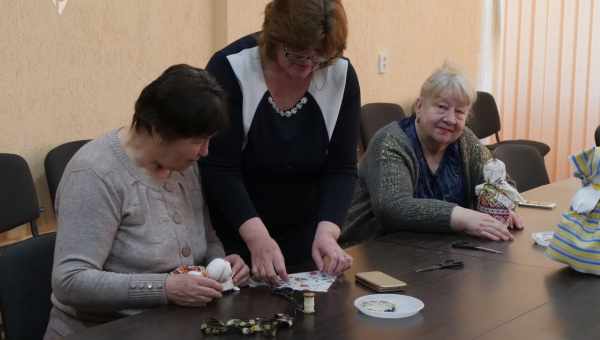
x=238, y=18
x=77, y=75
x=417, y=36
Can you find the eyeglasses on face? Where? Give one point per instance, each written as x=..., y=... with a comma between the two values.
x=301, y=59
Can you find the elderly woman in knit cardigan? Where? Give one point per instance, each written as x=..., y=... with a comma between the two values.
x=130, y=210
x=420, y=173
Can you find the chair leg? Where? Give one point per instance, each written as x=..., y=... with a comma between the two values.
x=497, y=137
x=34, y=229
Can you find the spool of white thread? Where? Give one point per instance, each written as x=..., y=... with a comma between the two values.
x=309, y=302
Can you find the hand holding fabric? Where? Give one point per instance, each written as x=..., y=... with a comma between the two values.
x=326, y=252
x=192, y=290
x=241, y=272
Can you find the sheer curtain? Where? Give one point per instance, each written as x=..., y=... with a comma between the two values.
x=547, y=74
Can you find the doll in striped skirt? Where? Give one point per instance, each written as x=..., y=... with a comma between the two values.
x=576, y=240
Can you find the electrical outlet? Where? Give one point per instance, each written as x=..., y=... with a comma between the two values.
x=382, y=62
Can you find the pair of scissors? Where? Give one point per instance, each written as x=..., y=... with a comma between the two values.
x=448, y=264
x=469, y=245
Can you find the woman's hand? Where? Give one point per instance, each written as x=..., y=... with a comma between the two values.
x=192, y=290
x=515, y=221
x=267, y=260
x=239, y=269
x=326, y=252
x=479, y=224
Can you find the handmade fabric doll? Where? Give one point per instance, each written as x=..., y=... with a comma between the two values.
x=496, y=196
x=576, y=240
x=218, y=270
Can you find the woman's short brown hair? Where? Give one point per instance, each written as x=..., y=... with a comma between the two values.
x=183, y=102
x=300, y=23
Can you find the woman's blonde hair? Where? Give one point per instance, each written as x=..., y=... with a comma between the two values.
x=304, y=24
x=448, y=81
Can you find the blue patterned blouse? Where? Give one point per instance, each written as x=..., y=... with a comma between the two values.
x=447, y=183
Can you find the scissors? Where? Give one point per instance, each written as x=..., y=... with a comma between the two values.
x=469, y=245
x=448, y=264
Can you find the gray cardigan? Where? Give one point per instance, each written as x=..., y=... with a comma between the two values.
x=120, y=232
x=384, y=198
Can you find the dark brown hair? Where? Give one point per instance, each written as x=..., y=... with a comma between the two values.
x=183, y=102
x=304, y=24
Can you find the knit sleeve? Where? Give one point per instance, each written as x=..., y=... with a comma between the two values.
x=390, y=179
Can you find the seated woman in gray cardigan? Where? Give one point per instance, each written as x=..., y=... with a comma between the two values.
x=420, y=173
x=130, y=210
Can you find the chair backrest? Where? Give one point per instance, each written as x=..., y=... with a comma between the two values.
x=524, y=164
x=56, y=161
x=18, y=199
x=374, y=116
x=484, y=119
x=25, y=287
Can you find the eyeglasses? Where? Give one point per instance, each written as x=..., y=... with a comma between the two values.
x=301, y=59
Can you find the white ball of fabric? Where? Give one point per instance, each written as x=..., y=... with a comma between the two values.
x=494, y=170
x=219, y=270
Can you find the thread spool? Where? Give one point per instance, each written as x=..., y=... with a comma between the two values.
x=309, y=302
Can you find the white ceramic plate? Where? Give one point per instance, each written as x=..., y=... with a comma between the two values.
x=388, y=306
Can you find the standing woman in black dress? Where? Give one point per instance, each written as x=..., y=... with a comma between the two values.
x=280, y=180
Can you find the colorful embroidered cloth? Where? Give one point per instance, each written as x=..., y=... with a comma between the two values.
x=576, y=240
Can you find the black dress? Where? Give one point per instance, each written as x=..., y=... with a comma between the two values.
x=292, y=172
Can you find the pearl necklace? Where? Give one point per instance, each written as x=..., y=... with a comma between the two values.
x=290, y=112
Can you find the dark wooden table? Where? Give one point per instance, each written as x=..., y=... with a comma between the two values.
x=519, y=294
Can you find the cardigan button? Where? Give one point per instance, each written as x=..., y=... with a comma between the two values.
x=168, y=186
x=186, y=251
x=177, y=218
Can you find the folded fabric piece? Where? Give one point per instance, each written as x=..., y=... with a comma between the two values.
x=576, y=240
x=314, y=281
